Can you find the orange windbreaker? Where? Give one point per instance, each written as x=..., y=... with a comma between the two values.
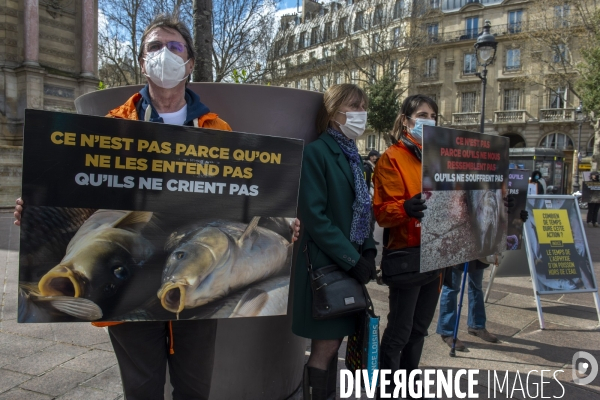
x=397, y=178
x=128, y=111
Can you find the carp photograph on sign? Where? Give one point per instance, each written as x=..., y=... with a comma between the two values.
x=557, y=247
x=133, y=221
x=465, y=176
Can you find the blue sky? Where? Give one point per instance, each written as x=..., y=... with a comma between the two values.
x=288, y=4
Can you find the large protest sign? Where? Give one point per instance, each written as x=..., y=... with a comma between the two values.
x=517, y=187
x=465, y=177
x=590, y=192
x=557, y=249
x=126, y=220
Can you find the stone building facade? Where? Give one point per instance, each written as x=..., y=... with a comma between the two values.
x=48, y=57
x=525, y=100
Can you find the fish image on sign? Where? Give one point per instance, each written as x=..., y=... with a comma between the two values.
x=557, y=247
x=465, y=179
x=154, y=223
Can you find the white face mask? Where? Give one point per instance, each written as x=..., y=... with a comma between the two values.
x=356, y=122
x=165, y=68
x=417, y=131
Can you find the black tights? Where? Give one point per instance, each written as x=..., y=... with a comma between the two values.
x=322, y=352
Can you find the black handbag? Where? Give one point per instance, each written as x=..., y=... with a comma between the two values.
x=402, y=268
x=335, y=293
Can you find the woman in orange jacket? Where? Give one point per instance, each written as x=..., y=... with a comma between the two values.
x=398, y=206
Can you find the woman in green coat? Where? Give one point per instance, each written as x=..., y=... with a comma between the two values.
x=335, y=210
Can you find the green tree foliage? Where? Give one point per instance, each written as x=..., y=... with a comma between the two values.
x=588, y=86
x=383, y=104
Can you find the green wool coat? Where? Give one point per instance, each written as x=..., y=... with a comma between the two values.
x=325, y=211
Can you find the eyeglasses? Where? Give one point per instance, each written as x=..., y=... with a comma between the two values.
x=175, y=47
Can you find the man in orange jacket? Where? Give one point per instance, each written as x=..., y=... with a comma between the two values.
x=143, y=348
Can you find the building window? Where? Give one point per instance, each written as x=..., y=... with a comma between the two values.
x=337, y=78
x=325, y=52
x=431, y=67
x=432, y=32
x=314, y=36
x=467, y=104
x=560, y=53
x=354, y=76
x=375, y=42
x=299, y=60
x=311, y=84
x=343, y=26
x=297, y=84
x=471, y=28
x=512, y=99
x=359, y=21
x=513, y=59
x=398, y=9
x=557, y=141
x=558, y=97
x=327, y=32
x=470, y=66
x=355, y=47
x=374, y=73
x=312, y=56
x=561, y=15
x=514, y=21
x=302, y=41
x=290, y=43
x=371, y=142
x=394, y=69
x=378, y=15
x=434, y=4
x=396, y=37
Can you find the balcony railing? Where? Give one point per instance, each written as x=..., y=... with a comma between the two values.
x=466, y=118
x=557, y=115
x=510, y=117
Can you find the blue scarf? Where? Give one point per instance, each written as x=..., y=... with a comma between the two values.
x=361, y=218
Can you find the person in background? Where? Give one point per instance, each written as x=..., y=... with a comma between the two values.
x=476, y=321
x=369, y=166
x=592, y=213
x=335, y=207
x=536, y=177
x=398, y=207
x=143, y=349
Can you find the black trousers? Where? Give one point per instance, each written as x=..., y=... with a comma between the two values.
x=592, y=214
x=142, y=351
x=411, y=312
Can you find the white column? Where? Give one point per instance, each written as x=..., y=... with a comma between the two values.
x=87, y=38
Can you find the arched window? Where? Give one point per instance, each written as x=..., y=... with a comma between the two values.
x=515, y=140
x=557, y=141
x=590, y=147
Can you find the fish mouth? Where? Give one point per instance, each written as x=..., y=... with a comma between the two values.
x=172, y=297
x=60, y=281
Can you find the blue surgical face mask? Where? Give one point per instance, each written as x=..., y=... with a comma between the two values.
x=417, y=131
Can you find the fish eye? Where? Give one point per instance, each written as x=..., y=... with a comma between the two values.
x=110, y=289
x=180, y=255
x=121, y=272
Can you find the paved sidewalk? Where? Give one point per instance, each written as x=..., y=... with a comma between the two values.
x=75, y=361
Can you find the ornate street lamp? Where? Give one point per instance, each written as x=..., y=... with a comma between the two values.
x=485, y=47
x=580, y=118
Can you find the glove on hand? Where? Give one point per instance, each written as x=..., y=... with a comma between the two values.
x=524, y=215
x=509, y=202
x=369, y=256
x=362, y=271
x=414, y=207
